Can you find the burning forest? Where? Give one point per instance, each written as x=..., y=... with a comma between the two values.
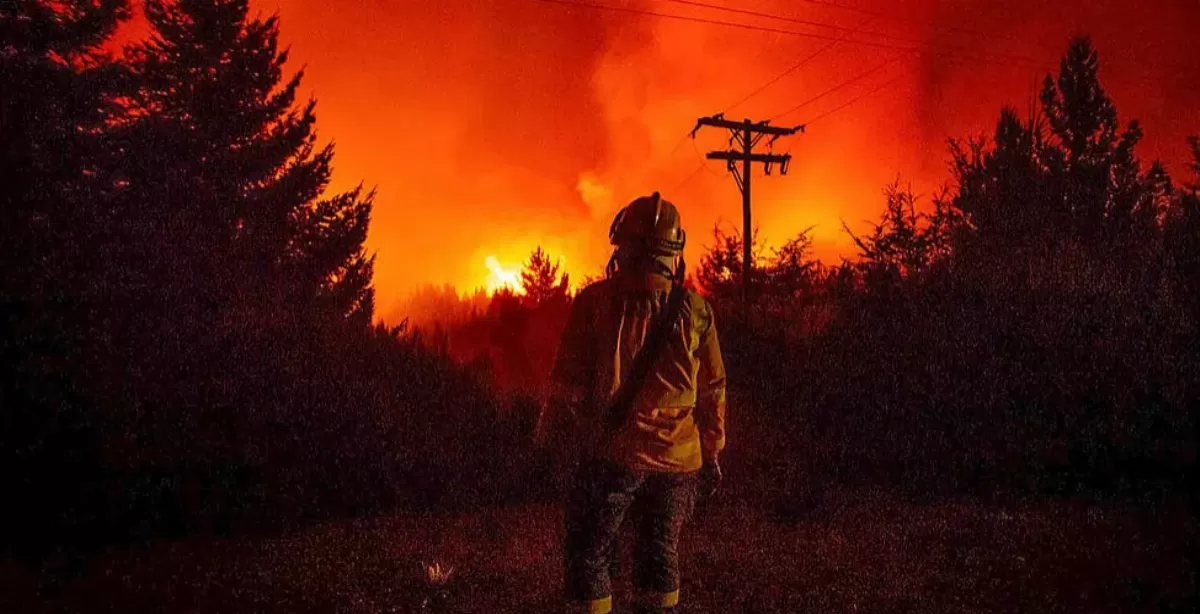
x=604, y=305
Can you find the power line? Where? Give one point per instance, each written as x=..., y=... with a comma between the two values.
x=856, y=99
x=910, y=20
x=848, y=30
x=703, y=160
x=661, y=160
x=796, y=20
x=687, y=136
x=702, y=166
x=713, y=22
x=851, y=81
x=679, y=144
x=803, y=61
x=696, y=171
x=1004, y=60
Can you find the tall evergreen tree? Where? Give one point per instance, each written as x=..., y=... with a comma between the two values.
x=1070, y=176
x=1101, y=174
x=1058, y=269
x=57, y=94
x=226, y=174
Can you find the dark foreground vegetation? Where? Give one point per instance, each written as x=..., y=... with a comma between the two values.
x=190, y=351
x=863, y=553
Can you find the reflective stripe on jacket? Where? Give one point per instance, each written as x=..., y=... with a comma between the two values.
x=678, y=418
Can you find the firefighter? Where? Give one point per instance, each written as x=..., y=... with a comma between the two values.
x=647, y=439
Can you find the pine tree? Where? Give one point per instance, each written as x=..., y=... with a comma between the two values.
x=1071, y=175
x=1101, y=175
x=226, y=174
x=1058, y=265
x=542, y=280
x=57, y=94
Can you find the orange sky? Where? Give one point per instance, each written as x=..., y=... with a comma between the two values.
x=492, y=126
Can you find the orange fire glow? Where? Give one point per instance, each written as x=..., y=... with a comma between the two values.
x=500, y=278
x=493, y=127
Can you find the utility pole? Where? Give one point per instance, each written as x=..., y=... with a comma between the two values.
x=744, y=135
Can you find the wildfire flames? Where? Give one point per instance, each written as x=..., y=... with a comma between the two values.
x=493, y=127
x=500, y=278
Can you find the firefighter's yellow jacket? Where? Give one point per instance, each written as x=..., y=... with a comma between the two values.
x=678, y=418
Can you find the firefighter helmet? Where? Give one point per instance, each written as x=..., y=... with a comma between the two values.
x=649, y=223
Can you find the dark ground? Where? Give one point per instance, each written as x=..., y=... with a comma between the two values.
x=858, y=553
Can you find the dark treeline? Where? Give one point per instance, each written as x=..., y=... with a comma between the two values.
x=510, y=335
x=189, y=348
x=1031, y=329
x=187, y=314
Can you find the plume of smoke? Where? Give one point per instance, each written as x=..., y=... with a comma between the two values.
x=495, y=127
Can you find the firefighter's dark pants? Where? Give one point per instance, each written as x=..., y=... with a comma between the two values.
x=603, y=494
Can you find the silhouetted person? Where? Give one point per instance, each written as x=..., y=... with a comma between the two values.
x=646, y=437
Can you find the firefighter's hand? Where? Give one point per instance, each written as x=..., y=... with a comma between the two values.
x=710, y=479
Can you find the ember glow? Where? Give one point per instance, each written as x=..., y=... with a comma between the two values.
x=493, y=127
